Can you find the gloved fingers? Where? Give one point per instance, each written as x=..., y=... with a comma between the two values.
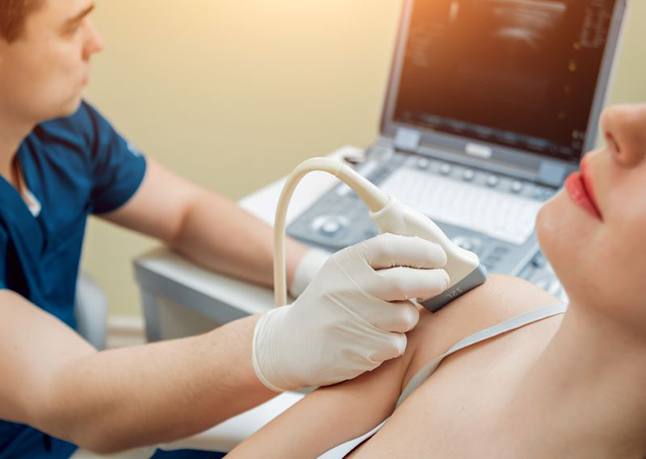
x=397, y=317
x=392, y=346
x=400, y=284
x=389, y=250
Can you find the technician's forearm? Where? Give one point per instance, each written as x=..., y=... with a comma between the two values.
x=221, y=236
x=121, y=399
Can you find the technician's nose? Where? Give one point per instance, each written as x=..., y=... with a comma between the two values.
x=94, y=43
x=624, y=128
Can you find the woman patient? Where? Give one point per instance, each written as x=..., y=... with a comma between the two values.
x=567, y=385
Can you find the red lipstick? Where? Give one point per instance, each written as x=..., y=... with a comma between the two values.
x=579, y=188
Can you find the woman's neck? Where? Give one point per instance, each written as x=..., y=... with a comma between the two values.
x=587, y=385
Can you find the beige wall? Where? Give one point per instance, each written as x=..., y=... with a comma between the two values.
x=234, y=93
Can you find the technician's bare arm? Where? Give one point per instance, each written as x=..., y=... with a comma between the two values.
x=118, y=399
x=204, y=226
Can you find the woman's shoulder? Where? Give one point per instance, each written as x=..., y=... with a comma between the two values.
x=500, y=298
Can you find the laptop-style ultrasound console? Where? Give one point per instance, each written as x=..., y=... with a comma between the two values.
x=490, y=105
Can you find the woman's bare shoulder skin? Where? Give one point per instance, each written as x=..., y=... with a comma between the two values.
x=449, y=410
x=500, y=298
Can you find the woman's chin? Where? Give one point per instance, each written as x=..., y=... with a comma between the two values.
x=547, y=225
x=566, y=236
x=556, y=232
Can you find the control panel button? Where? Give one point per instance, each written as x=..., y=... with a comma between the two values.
x=517, y=186
x=468, y=175
x=330, y=225
x=422, y=163
x=492, y=180
x=330, y=228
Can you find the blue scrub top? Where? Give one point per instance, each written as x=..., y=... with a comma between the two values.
x=74, y=166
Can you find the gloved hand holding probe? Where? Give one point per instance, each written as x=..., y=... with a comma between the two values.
x=352, y=317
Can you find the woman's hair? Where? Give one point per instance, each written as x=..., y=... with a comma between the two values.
x=13, y=14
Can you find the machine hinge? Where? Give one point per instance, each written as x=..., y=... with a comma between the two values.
x=407, y=139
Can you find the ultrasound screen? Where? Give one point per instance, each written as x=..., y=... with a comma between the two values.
x=517, y=73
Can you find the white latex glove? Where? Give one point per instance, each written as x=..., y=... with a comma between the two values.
x=310, y=264
x=353, y=315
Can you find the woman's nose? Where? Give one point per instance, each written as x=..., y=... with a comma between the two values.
x=624, y=129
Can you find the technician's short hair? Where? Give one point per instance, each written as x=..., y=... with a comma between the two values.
x=13, y=14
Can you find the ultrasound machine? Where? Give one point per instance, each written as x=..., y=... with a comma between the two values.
x=489, y=106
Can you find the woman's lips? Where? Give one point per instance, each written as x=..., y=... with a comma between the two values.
x=576, y=188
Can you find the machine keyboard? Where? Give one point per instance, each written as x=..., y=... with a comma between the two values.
x=500, y=215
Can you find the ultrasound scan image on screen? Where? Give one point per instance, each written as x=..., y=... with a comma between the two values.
x=516, y=73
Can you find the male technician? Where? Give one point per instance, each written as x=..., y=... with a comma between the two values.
x=60, y=161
